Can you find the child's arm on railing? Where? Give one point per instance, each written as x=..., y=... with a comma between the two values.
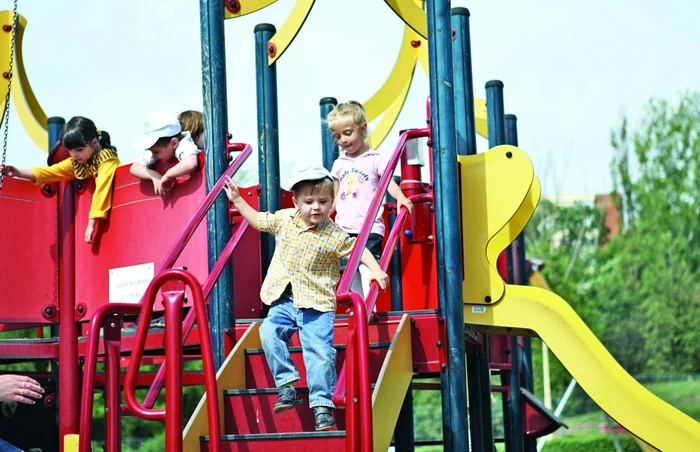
x=247, y=212
x=377, y=272
x=401, y=199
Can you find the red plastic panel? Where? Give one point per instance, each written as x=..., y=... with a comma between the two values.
x=28, y=250
x=141, y=229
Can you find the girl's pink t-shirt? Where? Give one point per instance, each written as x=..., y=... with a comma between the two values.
x=359, y=178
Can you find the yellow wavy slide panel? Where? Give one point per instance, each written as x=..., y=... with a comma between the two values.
x=28, y=109
x=248, y=7
x=599, y=374
x=290, y=28
x=515, y=226
x=494, y=186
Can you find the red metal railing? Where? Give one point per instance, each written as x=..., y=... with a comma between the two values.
x=176, y=336
x=357, y=388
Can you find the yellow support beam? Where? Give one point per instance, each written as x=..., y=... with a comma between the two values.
x=30, y=113
x=412, y=15
x=279, y=43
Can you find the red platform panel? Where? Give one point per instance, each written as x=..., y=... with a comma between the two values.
x=28, y=251
x=141, y=229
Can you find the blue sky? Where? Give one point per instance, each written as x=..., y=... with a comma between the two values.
x=570, y=69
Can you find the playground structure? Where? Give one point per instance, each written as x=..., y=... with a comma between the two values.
x=421, y=329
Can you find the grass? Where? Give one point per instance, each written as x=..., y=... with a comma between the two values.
x=682, y=394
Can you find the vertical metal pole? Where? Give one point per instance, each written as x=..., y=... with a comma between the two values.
x=463, y=83
x=495, y=114
x=448, y=234
x=395, y=264
x=268, y=137
x=68, y=368
x=215, y=128
x=466, y=145
x=525, y=355
x=328, y=144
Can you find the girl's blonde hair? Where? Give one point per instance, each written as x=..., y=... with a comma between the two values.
x=192, y=121
x=351, y=108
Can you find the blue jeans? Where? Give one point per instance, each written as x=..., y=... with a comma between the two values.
x=7, y=447
x=316, y=336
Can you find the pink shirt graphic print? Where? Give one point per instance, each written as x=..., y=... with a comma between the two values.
x=358, y=178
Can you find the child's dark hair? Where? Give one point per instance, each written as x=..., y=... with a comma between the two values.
x=314, y=186
x=80, y=131
x=163, y=141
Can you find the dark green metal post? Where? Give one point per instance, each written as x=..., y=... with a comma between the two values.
x=215, y=128
x=448, y=234
x=328, y=145
x=268, y=137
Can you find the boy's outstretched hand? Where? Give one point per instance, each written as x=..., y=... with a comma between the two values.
x=381, y=278
x=231, y=189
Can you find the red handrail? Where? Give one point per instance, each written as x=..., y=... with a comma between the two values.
x=173, y=350
x=359, y=435
x=188, y=323
x=173, y=305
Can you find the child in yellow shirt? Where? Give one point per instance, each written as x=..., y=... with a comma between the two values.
x=91, y=155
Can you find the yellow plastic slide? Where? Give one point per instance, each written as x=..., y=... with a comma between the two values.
x=599, y=374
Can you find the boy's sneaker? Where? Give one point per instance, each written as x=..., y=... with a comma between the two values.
x=324, y=418
x=286, y=400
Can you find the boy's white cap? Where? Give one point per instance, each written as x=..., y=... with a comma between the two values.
x=310, y=173
x=158, y=125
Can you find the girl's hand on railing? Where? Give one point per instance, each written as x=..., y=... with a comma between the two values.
x=404, y=201
x=381, y=278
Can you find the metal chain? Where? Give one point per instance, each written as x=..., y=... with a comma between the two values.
x=6, y=116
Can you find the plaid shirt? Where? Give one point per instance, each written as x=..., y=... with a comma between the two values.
x=309, y=259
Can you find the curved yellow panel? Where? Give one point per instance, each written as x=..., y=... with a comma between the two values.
x=247, y=7
x=412, y=15
x=394, y=84
x=381, y=130
x=494, y=186
x=289, y=29
x=29, y=111
x=31, y=114
x=604, y=380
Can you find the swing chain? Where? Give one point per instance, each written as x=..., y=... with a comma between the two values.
x=9, y=73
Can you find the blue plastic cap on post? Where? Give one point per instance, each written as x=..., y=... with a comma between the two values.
x=264, y=27
x=460, y=11
x=494, y=84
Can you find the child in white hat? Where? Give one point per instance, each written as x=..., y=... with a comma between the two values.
x=163, y=139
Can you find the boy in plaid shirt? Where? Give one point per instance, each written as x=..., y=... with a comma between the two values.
x=300, y=288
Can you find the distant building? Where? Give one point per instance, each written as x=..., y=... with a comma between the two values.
x=609, y=204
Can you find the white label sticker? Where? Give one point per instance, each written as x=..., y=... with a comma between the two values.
x=478, y=309
x=128, y=284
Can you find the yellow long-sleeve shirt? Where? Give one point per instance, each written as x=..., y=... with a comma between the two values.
x=102, y=167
